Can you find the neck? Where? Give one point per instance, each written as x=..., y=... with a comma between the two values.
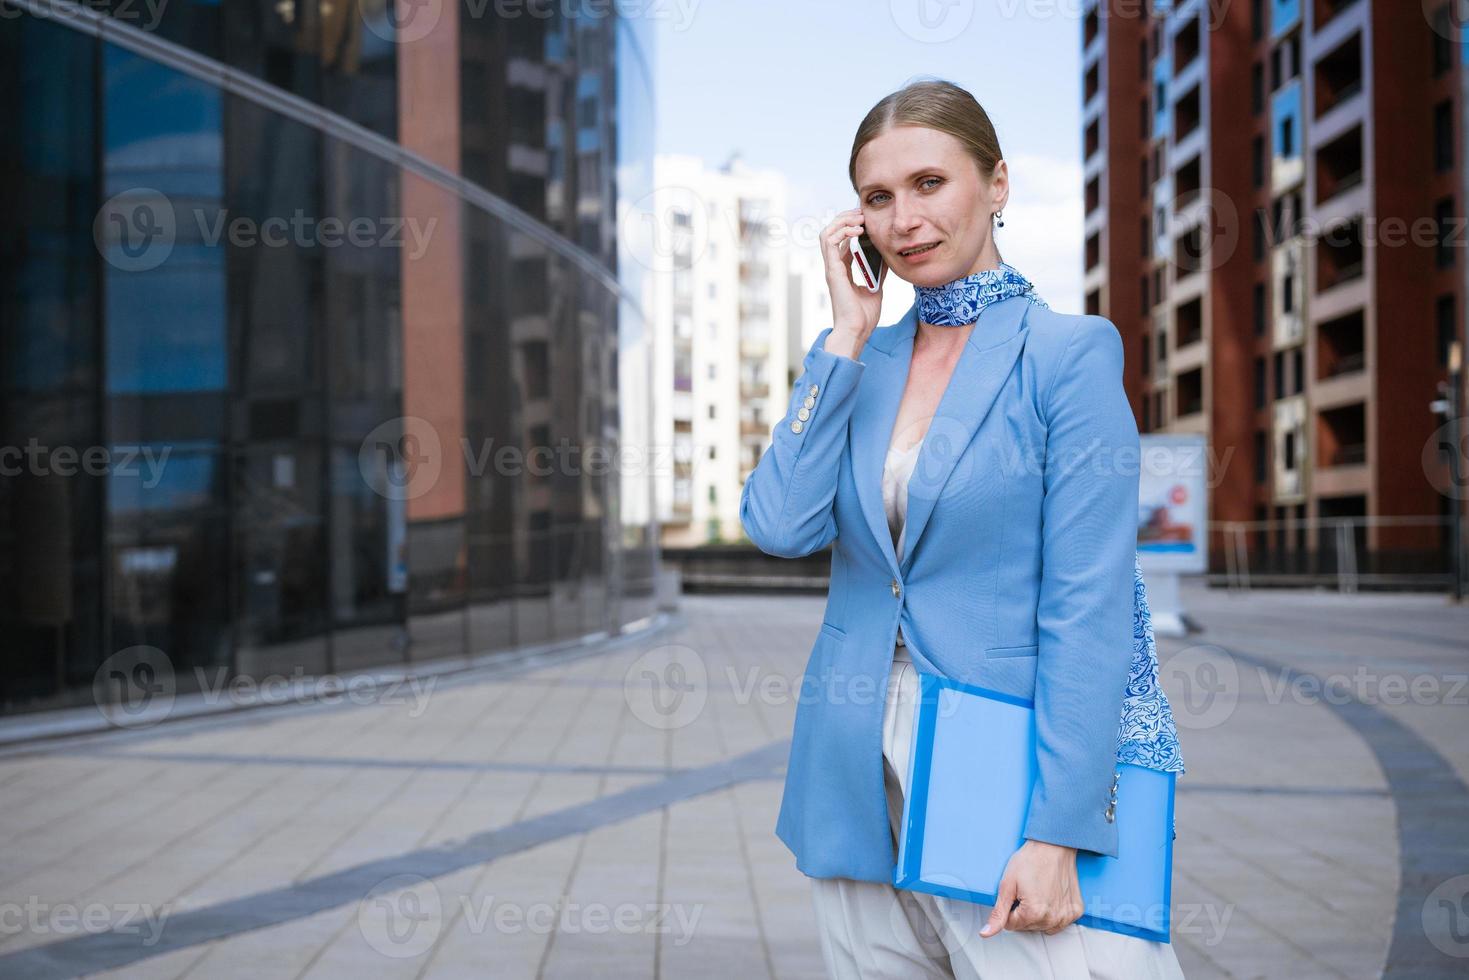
x=988, y=258
x=957, y=305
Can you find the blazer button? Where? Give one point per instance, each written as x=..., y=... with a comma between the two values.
x=803, y=414
x=810, y=402
x=897, y=589
x=796, y=425
x=813, y=390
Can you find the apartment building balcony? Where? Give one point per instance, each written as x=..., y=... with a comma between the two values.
x=1341, y=456
x=750, y=390
x=1339, y=165
x=1333, y=20
x=1340, y=348
x=1340, y=258
x=1338, y=76
x=754, y=346
x=1188, y=394
x=753, y=427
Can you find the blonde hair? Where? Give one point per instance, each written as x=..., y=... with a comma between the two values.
x=936, y=104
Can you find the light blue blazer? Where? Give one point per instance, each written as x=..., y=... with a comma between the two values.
x=1017, y=572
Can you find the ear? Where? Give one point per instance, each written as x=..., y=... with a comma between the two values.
x=1000, y=186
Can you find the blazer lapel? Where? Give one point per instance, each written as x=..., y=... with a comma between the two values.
x=980, y=373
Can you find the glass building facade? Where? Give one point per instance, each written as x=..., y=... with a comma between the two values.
x=311, y=330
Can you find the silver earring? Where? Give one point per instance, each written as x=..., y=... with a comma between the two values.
x=1000, y=215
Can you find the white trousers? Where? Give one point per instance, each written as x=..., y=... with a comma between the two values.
x=870, y=929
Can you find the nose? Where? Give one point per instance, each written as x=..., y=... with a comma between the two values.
x=905, y=219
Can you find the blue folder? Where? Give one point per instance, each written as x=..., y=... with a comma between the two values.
x=970, y=775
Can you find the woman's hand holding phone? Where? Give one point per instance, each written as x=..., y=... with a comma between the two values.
x=855, y=309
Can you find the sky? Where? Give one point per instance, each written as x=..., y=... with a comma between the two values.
x=785, y=85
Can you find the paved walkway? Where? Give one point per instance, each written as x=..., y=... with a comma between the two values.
x=577, y=820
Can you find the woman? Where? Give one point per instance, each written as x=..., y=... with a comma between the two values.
x=976, y=465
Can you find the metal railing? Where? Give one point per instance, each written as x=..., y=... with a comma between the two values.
x=1334, y=552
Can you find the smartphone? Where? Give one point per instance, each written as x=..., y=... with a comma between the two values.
x=868, y=259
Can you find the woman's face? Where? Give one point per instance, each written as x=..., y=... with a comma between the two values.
x=918, y=186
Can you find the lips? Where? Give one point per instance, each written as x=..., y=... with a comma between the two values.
x=918, y=249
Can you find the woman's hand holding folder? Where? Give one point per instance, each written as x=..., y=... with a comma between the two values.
x=1039, y=891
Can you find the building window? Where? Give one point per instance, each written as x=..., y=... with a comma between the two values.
x=1143, y=290
x=1443, y=214
x=1298, y=370
x=1288, y=137
x=1257, y=19
x=1260, y=308
x=1147, y=356
x=1260, y=458
x=1448, y=327
x=1258, y=161
x=1443, y=136
x=1257, y=89
x=1259, y=382
x=1279, y=372
x=1443, y=47
x=1261, y=219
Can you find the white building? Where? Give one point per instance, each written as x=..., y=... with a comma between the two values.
x=721, y=353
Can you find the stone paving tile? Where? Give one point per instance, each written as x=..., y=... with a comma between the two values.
x=1287, y=860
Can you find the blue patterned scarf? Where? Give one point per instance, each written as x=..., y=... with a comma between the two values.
x=959, y=303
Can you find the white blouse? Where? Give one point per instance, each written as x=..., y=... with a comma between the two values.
x=896, y=472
